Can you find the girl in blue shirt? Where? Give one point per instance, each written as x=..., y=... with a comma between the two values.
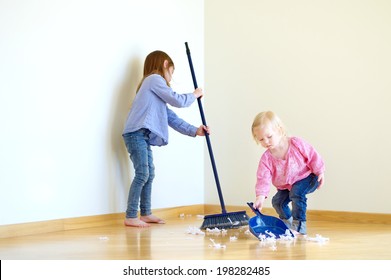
x=147, y=125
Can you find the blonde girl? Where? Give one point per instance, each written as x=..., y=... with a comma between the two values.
x=291, y=164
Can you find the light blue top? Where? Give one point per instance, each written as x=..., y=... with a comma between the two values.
x=149, y=110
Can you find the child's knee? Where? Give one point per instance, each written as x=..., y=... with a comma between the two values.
x=144, y=177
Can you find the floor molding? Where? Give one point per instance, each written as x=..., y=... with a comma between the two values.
x=23, y=229
x=41, y=227
x=318, y=215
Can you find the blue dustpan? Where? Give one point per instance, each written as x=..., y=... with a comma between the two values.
x=266, y=225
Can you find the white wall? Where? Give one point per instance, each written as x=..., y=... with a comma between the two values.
x=68, y=73
x=324, y=67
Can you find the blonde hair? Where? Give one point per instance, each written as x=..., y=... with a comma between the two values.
x=154, y=64
x=265, y=118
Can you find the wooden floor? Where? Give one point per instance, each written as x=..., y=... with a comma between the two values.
x=347, y=241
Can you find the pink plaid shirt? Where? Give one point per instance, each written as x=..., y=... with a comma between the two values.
x=301, y=160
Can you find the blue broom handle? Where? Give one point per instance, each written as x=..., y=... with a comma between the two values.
x=206, y=134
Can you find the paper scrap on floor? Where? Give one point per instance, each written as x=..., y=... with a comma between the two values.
x=217, y=245
x=194, y=231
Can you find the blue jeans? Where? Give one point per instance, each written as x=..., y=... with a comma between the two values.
x=298, y=197
x=137, y=144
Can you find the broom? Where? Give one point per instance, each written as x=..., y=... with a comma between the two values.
x=225, y=219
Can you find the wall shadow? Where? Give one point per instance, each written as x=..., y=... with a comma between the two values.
x=119, y=166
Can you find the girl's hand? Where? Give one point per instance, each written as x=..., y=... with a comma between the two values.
x=198, y=92
x=320, y=180
x=259, y=202
x=202, y=129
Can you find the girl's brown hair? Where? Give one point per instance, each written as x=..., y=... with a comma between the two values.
x=154, y=64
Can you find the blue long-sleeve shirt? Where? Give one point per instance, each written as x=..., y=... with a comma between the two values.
x=149, y=110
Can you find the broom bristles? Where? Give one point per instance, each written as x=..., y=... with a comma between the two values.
x=225, y=220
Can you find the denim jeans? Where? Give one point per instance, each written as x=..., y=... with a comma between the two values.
x=298, y=197
x=137, y=144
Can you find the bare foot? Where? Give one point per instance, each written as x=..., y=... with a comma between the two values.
x=135, y=222
x=152, y=219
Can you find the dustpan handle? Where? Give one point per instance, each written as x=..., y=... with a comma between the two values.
x=255, y=210
x=206, y=134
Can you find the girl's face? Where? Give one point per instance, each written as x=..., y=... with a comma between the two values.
x=268, y=135
x=168, y=72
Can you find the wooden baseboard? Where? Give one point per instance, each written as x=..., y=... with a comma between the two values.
x=41, y=227
x=349, y=217
x=15, y=230
x=316, y=215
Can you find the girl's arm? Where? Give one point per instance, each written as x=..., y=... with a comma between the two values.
x=264, y=179
x=185, y=128
x=164, y=92
x=180, y=125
